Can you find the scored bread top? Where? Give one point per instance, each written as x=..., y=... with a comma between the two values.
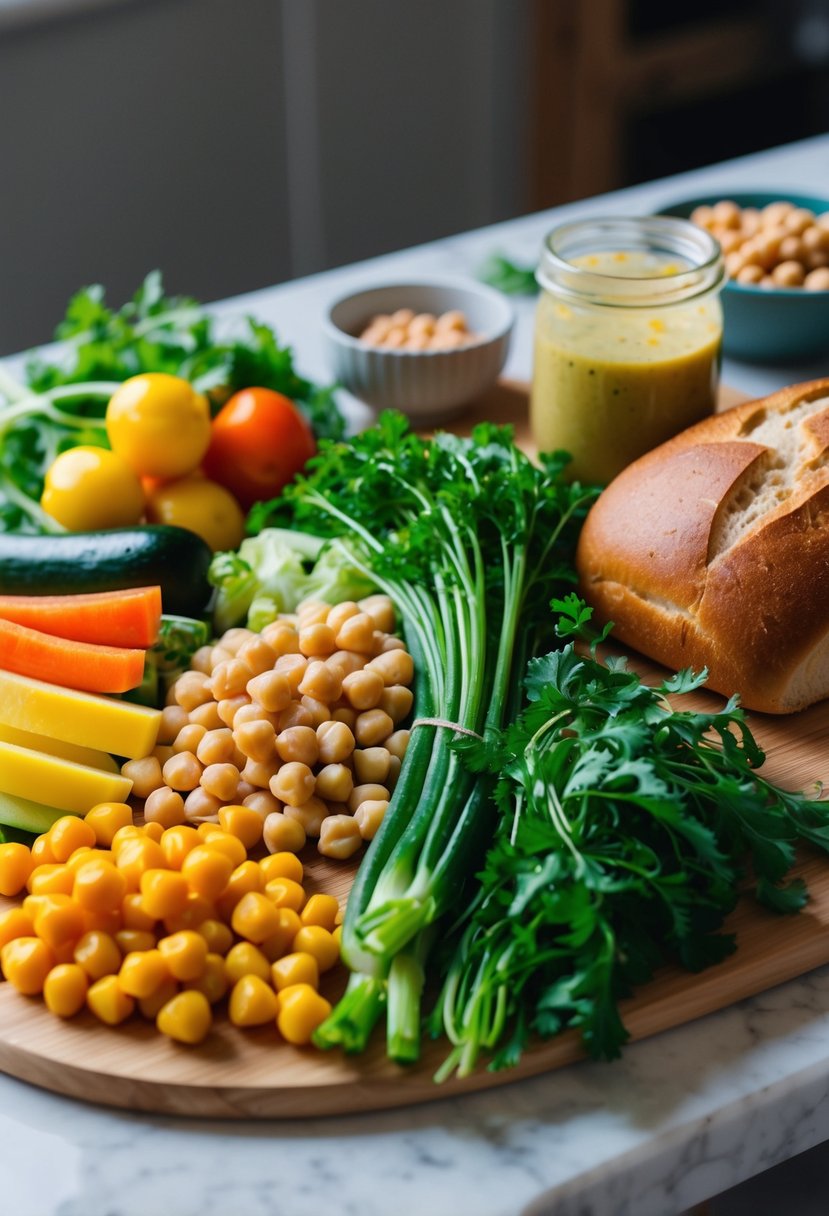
x=713, y=550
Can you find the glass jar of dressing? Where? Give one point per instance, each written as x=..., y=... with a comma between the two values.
x=627, y=341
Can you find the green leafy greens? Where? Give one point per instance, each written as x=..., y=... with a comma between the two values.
x=64, y=396
x=507, y=276
x=272, y=571
x=626, y=831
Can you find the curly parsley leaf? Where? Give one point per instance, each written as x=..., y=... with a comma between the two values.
x=627, y=830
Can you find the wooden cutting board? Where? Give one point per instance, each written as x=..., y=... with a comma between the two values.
x=251, y=1074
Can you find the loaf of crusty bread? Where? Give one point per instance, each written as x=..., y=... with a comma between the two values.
x=713, y=550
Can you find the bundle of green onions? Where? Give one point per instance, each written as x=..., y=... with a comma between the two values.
x=470, y=539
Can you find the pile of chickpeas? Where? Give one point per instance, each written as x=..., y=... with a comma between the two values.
x=407, y=330
x=780, y=245
x=300, y=723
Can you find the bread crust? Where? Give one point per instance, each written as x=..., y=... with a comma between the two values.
x=713, y=550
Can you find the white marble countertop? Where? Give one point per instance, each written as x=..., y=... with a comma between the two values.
x=681, y=1117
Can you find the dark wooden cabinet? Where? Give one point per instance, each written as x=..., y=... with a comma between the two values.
x=634, y=89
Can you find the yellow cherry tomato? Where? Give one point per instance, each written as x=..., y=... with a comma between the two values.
x=87, y=488
x=159, y=424
x=201, y=505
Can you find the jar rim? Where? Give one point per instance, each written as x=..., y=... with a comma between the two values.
x=703, y=272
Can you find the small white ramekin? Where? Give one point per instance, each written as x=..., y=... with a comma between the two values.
x=430, y=386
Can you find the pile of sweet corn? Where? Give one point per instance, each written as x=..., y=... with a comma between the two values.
x=170, y=921
x=300, y=722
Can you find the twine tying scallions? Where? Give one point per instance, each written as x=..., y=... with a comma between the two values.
x=459, y=730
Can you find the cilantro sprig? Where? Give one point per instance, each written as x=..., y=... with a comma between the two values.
x=627, y=831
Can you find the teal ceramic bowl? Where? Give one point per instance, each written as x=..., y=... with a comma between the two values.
x=762, y=325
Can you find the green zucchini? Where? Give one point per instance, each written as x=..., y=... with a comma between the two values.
x=76, y=562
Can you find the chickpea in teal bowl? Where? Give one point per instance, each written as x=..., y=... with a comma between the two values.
x=776, y=248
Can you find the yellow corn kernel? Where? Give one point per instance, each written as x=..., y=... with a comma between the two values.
x=108, y=922
x=141, y=972
x=154, y=830
x=321, y=910
x=246, y=877
x=207, y=870
x=245, y=959
x=85, y=854
x=177, y=842
x=69, y=833
x=196, y=911
x=106, y=818
x=15, y=922
x=252, y=1002
x=282, y=865
x=163, y=893
x=128, y=940
x=150, y=1006
x=64, y=990
x=26, y=962
x=31, y=903
x=217, y=934
x=301, y=1011
x=15, y=867
x=129, y=831
x=133, y=915
x=297, y=968
x=65, y=952
x=54, y=879
x=108, y=1001
x=98, y=954
x=99, y=886
x=42, y=854
x=58, y=923
x=203, y=830
x=231, y=846
x=285, y=893
x=255, y=917
x=319, y=942
x=186, y=1018
x=281, y=940
x=242, y=822
x=136, y=856
x=213, y=980
x=185, y=954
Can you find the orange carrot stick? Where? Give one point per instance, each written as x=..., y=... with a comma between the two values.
x=106, y=618
x=80, y=665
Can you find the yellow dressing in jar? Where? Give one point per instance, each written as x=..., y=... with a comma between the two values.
x=628, y=334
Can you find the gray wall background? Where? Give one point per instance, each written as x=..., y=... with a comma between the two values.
x=240, y=143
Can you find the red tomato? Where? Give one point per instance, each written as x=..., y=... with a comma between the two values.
x=260, y=442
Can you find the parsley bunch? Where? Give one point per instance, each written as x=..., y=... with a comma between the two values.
x=626, y=831
x=63, y=399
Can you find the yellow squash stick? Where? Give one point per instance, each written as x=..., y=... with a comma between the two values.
x=83, y=718
x=59, y=783
x=57, y=747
